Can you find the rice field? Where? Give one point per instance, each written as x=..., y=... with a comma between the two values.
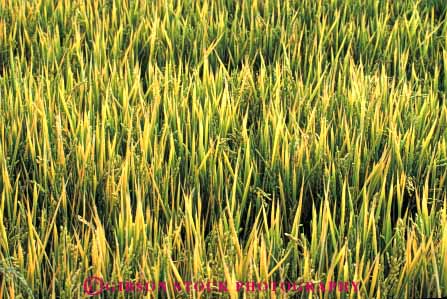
x=173, y=142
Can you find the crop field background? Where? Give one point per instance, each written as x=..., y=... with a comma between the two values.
x=218, y=140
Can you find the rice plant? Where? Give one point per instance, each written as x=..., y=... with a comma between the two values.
x=175, y=142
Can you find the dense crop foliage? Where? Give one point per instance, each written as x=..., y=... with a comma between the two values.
x=252, y=140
